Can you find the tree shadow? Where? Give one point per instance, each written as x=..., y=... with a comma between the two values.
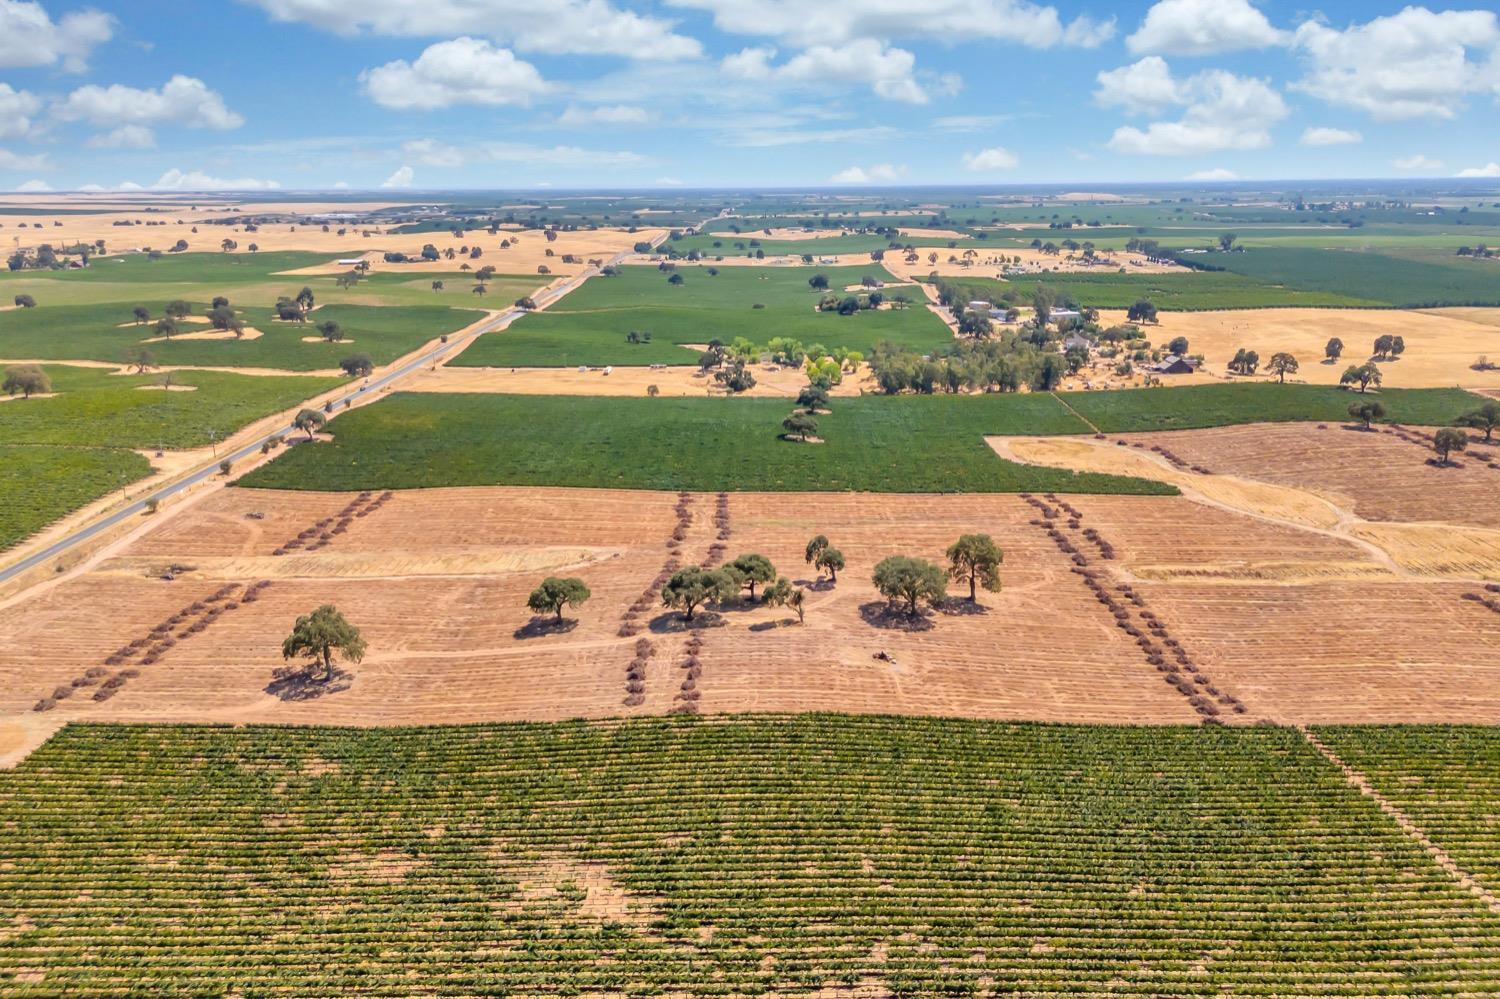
x=307, y=683
x=888, y=617
x=672, y=623
x=786, y=622
x=820, y=585
x=1440, y=463
x=541, y=627
x=962, y=607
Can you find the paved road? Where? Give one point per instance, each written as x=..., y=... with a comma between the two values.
x=373, y=387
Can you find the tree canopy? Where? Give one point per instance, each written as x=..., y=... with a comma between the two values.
x=911, y=581
x=556, y=592
x=320, y=633
x=975, y=559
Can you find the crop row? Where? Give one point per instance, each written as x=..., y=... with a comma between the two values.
x=724, y=856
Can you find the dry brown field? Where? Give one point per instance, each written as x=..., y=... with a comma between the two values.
x=1271, y=619
x=771, y=381
x=1441, y=344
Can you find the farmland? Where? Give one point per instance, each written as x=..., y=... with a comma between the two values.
x=590, y=325
x=878, y=444
x=934, y=857
x=1394, y=280
x=40, y=484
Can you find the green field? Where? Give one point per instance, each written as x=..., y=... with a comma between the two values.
x=95, y=407
x=589, y=326
x=40, y=484
x=873, y=443
x=1419, y=281
x=726, y=857
x=66, y=450
x=1446, y=778
x=1198, y=406
x=730, y=245
x=1192, y=292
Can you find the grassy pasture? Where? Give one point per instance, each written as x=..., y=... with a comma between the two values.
x=718, y=857
x=590, y=325
x=874, y=443
x=745, y=244
x=40, y=484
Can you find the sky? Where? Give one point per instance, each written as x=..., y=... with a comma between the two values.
x=516, y=94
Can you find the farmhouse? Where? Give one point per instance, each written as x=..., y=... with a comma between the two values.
x=1060, y=314
x=1077, y=342
x=1172, y=364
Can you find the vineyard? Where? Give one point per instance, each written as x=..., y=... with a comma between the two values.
x=778, y=855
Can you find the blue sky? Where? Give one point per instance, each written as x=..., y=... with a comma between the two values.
x=307, y=94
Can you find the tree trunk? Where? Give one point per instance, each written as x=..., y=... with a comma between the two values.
x=973, y=593
x=559, y=615
x=327, y=664
x=833, y=574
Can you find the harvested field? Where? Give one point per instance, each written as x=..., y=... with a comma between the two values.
x=443, y=639
x=1441, y=344
x=1378, y=476
x=1454, y=550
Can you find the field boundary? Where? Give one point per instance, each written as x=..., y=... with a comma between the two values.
x=1409, y=827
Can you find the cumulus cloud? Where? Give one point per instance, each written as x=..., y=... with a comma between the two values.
x=1418, y=163
x=16, y=109
x=801, y=24
x=609, y=114
x=1413, y=64
x=1220, y=110
x=990, y=160
x=888, y=71
x=29, y=37
x=34, y=187
x=1144, y=87
x=1330, y=137
x=183, y=101
x=1488, y=170
x=1203, y=27
x=880, y=173
x=461, y=71
x=401, y=178
x=1218, y=173
x=124, y=137
x=196, y=180
x=562, y=27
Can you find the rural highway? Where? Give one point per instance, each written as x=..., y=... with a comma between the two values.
x=371, y=388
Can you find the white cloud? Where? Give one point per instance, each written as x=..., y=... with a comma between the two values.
x=802, y=24
x=1488, y=170
x=182, y=100
x=1413, y=64
x=16, y=109
x=196, y=180
x=34, y=187
x=1221, y=111
x=989, y=160
x=430, y=152
x=668, y=182
x=29, y=37
x=461, y=71
x=401, y=178
x=125, y=137
x=15, y=161
x=888, y=71
x=341, y=185
x=881, y=173
x=1144, y=87
x=1330, y=137
x=967, y=122
x=608, y=114
x=1419, y=162
x=1218, y=173
x=586, y=27
x=1203, y=27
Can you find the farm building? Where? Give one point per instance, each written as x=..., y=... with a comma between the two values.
x=1061, y=314
x=1076, y=342
x=350, y=262
x=1174, y=365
